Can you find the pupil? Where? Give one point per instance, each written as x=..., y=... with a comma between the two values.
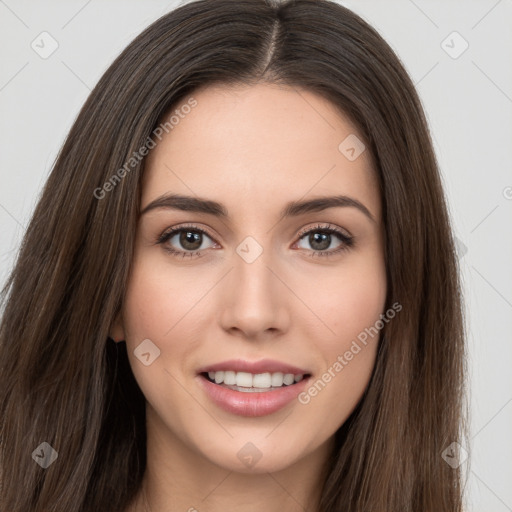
x=323, y=239
x=190, y=240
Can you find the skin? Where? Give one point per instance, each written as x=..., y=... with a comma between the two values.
x=253, y=149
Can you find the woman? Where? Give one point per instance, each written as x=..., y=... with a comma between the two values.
x=239, y=288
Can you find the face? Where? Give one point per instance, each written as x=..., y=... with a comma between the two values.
x=290, y=293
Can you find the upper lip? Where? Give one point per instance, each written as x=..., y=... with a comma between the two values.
x=261, y=366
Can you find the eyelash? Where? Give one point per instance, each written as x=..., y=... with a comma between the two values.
x=347, y=241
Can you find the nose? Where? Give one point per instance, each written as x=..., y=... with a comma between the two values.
x=255, y=299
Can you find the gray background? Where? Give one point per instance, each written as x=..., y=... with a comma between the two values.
x=468, y=100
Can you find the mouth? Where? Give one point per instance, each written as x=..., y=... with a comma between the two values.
x=252, y=389
x=246, y=382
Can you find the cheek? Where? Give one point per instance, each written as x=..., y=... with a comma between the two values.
x=349, y=299
x=351, y=304
x=152, y=311
x=167, y=306
x=352, y=352
x=145, y=312
x=157, y=298
x=159, y=306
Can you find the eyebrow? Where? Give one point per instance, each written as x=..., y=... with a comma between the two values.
x=291, y=209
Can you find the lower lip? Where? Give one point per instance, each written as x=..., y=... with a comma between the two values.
x=252, y=404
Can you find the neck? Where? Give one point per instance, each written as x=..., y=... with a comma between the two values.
x=177, y=478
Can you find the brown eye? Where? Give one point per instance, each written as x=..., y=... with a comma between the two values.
x=320, y=239
x=184, y=241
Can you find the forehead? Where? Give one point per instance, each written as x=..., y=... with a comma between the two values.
x=264, y=141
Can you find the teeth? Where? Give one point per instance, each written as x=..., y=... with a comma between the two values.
x=288, y=379
x=243, y=379
x=259, y=380
x=277, y=379
x=230, y=378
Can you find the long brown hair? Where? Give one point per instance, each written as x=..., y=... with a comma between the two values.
x=63, y=382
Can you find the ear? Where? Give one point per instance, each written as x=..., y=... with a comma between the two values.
x=117, y=329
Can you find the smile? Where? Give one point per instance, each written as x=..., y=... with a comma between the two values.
x=249, y=382
x=252, y=395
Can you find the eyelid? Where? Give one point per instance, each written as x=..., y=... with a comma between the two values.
x=325, y=227
x=304, y=230
x=347, y=240
x=181, y=227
